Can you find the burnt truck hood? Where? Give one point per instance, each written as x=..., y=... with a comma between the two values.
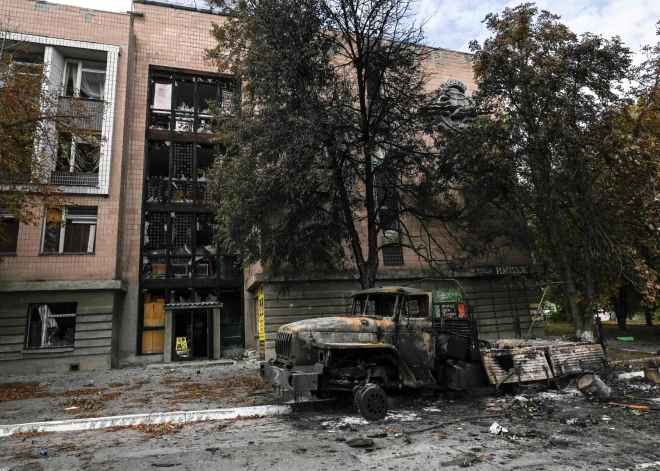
x=340, y=330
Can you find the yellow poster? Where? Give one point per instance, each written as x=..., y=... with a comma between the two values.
x=261, y=311
x=181, y=345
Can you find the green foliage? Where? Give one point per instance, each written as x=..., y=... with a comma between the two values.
x=328, y=120
x=559, y=167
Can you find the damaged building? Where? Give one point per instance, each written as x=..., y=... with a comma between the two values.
x=134, y=276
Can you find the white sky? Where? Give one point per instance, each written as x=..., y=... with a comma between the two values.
x=453, y=23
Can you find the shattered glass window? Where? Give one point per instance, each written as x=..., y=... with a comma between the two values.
x=158, y=172
x=205, y=241
x=182, y=225
x=155, y=233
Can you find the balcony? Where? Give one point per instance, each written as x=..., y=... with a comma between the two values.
x=87, y=113
x=74, y=179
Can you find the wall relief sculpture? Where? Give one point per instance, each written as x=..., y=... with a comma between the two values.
x=453, y=108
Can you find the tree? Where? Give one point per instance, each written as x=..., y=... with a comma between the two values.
x=327, y=157
x=30, y=120
x=558, y=162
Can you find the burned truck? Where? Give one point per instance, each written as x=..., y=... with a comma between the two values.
x=399, y=337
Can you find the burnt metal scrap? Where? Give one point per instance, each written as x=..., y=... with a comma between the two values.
x=403, y=337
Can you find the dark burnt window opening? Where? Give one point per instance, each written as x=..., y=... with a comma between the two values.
x=9, y=227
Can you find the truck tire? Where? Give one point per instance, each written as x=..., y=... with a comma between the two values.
x=371, y=402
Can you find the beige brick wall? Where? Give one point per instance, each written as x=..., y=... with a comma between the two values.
x=166, y=37
x=73, y=23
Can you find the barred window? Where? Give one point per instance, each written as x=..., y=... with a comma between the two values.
x=51, y=325
x=392, y=255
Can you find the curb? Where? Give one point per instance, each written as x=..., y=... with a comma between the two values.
x=191, y=364
x=139, y=419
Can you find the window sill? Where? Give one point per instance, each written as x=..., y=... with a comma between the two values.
x=55, y=254
x=7, y=254
x=50, y=350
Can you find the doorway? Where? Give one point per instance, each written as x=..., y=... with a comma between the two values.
x=192, y=335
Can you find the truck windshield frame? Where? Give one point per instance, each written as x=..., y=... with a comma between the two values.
x=376, y=306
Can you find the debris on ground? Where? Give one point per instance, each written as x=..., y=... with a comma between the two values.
x=593, y=387
x=360, y=442
x=497, y=429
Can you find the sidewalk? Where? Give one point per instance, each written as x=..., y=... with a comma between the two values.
x=47, y=397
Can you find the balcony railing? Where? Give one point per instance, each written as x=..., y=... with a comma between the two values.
x=74, y=179
x=87, y=112
x=10, y=178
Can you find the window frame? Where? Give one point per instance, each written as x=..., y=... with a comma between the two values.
x=50, y=306
x=70, y=219
x=5, y=217
x=80, y=69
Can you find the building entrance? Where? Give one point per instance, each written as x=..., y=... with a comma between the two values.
x=192, y=336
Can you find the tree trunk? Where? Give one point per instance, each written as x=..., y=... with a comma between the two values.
x=621, y=308
x=368, y=275
x=649, y=316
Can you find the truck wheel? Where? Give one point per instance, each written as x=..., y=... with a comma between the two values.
x=357, y=394
x=372, y=402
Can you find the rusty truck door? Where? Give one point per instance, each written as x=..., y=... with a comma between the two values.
x=415, y=339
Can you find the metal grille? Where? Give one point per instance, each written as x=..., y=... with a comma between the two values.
x=458, y=326
x=15, y=178
x=182, y=192
x=156, y=231
x=74, y=178
x=156, y=191
x=283, y=344
x=182, y=234
x=183, y=161
x=392, y=255
x=51, y=325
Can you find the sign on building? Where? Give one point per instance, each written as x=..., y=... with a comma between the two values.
x=262, y=320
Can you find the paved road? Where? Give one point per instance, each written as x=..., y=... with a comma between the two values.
x=548, y=431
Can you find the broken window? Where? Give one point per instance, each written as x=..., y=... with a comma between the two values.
x=70, y=231
x=182, y=227
x=155, y=233
x=154, y=268
x=181, y=295
x=184, y=107
x=181, y=267
x=77, y=161
x=206, y=295
x=183, y=161
x=190, y=100
x=205, y=267
x=158, y=171
x=205, y=241
x=51, y=325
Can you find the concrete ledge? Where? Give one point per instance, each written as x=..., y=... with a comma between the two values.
x=63, y=285
x=139, y=419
